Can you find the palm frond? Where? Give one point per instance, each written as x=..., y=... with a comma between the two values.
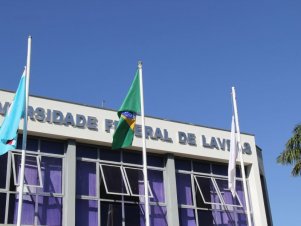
x=292, y=152
x=297, y=169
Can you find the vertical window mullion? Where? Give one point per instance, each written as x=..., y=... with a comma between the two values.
x=97, y=165
x=8, y=171
x=6, y=208
x=7, y=186
x=193, y=190
x=36, y=209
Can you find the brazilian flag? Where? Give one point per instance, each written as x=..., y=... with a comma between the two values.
x=124, y=133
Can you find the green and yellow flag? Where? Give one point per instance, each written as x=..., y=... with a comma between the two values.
x=124, y=133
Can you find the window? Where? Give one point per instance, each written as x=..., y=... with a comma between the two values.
x=204, y=197
x=43, y=192
x=117, y=185
x=32, y=174
x=110, y=188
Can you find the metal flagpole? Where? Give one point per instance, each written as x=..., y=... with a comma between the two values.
x=21, y=181
x=144, y=148
x=241, y=158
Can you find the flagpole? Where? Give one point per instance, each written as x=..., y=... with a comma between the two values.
x=24, y=140
x=146, y=202
x=241, y=158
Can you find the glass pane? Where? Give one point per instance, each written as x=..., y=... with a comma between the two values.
x=86, y=213
x=155, y=160
x=133, y=215
x=86, y=152
x=50, y=211
x=241, y=219
x=220, y=169
x=3, y=205
x=238, y=172
x=187, y=217
x=3, y=169
x=207, y=189
x=155, y=179
x=31, y=175
x=201, y=167
x=132, y=157
x=32, y=144
x=158, y=216
x=199, y=199
x=206, y=218
x=223, y=218
x=184, y=189
x=240, y=193
x=183, y=164
x=51, y=174
x=136, y=181
x=226, y=193
x=86, y=178
x=110, y=155
x=28, y=209
x=110, y=214
x=54, y=147
x=114, y=179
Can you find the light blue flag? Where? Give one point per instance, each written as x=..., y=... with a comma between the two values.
x=10, y=125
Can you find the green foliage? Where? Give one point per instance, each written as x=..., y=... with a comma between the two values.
x=292, y=153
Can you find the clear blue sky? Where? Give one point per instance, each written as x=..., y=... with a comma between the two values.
x=193, y=52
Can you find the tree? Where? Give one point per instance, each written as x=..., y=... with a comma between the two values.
x=292, y=153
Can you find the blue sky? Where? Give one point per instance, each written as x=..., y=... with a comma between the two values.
x=193, y=52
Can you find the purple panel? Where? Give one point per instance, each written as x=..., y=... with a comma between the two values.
x=28, y=209
x=2, y=209
x=187, y=217
x=240, y=193
x=223, y=218
x=242, y=219
x=226, y=193
x=111, y=214
x=86, y=178
x=184, y=189
x=3, y=168
x=158, y=216
x=155, y=179
x=86, y=213
x=51, y=174
x=50, y=211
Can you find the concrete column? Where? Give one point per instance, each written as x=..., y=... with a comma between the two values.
x=70, y=185
x=171, y=192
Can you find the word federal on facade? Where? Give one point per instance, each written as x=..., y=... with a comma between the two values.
x=74, y=178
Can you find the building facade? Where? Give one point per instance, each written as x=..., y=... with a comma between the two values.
x=74, y=178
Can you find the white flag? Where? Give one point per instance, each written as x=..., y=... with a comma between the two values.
x=232, y=159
